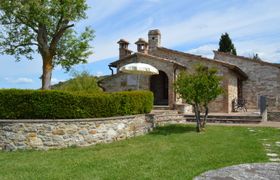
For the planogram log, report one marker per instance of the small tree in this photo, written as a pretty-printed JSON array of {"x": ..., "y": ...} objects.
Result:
[
  {"x": 199, "y": 89},
  {"x": 45, "y": 27},
  {"x": 226, "y": 45}
]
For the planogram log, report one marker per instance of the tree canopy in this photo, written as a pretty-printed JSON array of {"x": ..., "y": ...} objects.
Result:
[
  {"x": 199, "y": 89},
  {"x": 226, "y": 45},
  {"x": 45, "y": 27}
]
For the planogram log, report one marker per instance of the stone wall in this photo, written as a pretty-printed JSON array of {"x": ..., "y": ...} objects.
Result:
[
  {"x": 232, "y": 90},
  {"x": 55, "y": 134},
  {"x": 126, "y": 82},
  {"x": 221, "y": 103},
  {"x": 120, "y": 81},
  {"x": 264, "y": 80},
  {"x": 274, "y": 116}
]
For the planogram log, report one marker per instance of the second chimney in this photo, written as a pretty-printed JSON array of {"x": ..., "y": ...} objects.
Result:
[{"x": 142, "y": 45}]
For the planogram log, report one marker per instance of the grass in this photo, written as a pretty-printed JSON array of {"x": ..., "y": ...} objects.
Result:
[{"x": 170, "y": 152}]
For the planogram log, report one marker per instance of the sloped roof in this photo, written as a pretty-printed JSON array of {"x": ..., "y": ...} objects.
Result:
[
  {"x": 138, "y": 54},
  {"x": 247, "y": 59},
  {"x": 196, "y": 57},
  {"x": 141, "y": 41},
  {"x": 123, "y": 41},
  {"x": 230, "y": 66}
]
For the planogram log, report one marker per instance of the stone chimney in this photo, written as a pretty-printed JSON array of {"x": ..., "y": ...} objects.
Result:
[
  {"x": 124, "y": 51},
  {"x": 142, "y": 45},
  {"x": 154, "y": 39}
]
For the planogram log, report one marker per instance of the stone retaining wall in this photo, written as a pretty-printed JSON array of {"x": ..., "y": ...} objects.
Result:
[
  {"x": 163, "y": 119},
  {"x": 55, "y": 134},
  {"x": 274, "y": 116}
]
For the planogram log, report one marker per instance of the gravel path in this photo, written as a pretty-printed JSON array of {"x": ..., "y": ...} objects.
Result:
[{"x": 256, "y": 171}]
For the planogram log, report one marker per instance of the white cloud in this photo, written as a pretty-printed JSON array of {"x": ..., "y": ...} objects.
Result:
[
  {"x": 204, "y": 50},
  {"x": 20, "y": 80},
  {"x": 99, "y": 73},
  {"x": 100, "y": 10},
  {"x": 55, "y": 80},
  {"x": 252, "y": 25},
  {"x": 106, "y": 46},
  {"x": 209, "y": 25},
  {"x": 244, "y": 24},
  {"x": 267, "y": 51}
]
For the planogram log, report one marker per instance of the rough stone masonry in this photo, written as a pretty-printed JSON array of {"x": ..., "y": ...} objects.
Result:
[{"x": 55, "y": 134}]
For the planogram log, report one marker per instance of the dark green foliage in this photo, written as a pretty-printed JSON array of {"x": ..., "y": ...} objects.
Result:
[
  {"x": 34, "y": 104},
  {"x": 226, "y": 45}
]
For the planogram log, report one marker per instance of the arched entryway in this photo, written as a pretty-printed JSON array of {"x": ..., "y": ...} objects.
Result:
[{"x": 159, "y": 86}]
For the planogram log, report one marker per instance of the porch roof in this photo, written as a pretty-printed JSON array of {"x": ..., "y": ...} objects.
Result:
[{"x": 138, "y": 55}]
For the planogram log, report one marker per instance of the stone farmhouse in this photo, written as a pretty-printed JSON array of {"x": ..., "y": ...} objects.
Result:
[{"x": 243, "y": 78}]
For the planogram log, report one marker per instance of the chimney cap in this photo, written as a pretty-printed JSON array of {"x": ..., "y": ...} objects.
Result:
[
  {"x": 155, "y": 32},
  {"x": 141, "y": 41},
  {"x": 123, "y": 41}
]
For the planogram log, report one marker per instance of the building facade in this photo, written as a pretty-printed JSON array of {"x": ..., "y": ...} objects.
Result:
[{"x": 242, "y": 77}]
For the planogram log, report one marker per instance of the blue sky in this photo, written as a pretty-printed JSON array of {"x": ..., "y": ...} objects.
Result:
[{"x": 193, "y": 26}]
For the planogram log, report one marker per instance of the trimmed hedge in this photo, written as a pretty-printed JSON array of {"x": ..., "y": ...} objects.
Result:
[{"x": 36, "y": 104}]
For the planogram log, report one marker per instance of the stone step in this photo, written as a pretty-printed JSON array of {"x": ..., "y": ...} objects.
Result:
[
  {"x": 164, "y": 112},
  {"x": 215, "y": 120},
  {"x": 246, "y": 117},
  {"x": 228, "y": 118},
  {"x": 159, "y": 107},
  {"x": 211, "y": 119}
]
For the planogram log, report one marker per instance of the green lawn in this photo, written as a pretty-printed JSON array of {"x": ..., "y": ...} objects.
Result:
[{"x": 171, "y": 152}]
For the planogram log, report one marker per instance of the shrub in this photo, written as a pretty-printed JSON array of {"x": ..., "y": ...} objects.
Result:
[
  {"x": 81, "y": 82},
  {"x": 36, "y": 104}
]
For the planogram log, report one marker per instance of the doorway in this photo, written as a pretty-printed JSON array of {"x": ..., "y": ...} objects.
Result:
[{"x": 159, "y": 86}]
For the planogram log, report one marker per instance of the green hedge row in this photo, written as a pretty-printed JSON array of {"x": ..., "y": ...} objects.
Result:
[{"x": 36, "y": 104}]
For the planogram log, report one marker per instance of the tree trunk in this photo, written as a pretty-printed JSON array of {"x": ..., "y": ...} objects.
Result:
[
  {"x": 197, "y": 117},
  {"x": 47, "y": 72},
  {"x": 205, "y": 117}
]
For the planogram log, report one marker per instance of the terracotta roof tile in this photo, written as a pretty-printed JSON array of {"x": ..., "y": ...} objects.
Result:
[
  {"x": 123, "y": 41},
  {"x": 138, "y": 54},
  {"x": 140, "y": 41}
]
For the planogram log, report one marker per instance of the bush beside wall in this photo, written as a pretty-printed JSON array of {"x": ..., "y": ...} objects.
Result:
[{"x": 35, "y": 104}]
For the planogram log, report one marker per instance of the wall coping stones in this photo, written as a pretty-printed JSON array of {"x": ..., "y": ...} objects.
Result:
[{"x": 130, "y": 117}]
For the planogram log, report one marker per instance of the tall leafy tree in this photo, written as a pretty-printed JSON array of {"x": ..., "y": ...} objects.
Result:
[
  {"x": 45, "y": 27},
  {"x": 199, "y": 89},
  {"x": 226, "y": 45}
]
